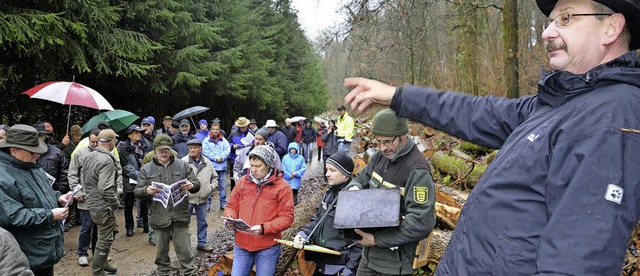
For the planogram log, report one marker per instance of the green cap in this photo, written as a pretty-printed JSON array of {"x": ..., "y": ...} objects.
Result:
[
  {"x": 387, "y": 123},
  {"x": 162, "y": 141}
]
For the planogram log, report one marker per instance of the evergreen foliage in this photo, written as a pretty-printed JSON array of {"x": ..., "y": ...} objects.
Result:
[{"x": 156, "y": 57}]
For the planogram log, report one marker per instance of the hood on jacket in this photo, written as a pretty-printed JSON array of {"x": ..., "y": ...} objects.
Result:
[
  {"x": 556, "y": 87},
  {"x": 293, "y": 145}
]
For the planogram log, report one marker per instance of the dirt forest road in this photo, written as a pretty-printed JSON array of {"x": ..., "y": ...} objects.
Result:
[{"x": 135, "y": 256}]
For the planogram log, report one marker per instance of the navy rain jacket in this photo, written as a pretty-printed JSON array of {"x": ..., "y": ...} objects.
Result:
[{"x": 562, "y": 195}]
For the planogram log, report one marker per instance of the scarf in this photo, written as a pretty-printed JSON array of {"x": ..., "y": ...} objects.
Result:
[{"x": 264, "y": 180}]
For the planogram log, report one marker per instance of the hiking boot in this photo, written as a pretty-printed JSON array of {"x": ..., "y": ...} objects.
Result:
[
  {"x": 129, "y": 232},
  {"x": 205, "y": 248},
  {"x": 83, "y": 261}
]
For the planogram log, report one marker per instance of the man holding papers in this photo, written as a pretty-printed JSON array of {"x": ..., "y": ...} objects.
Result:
[{"x": 170, "y": 222}]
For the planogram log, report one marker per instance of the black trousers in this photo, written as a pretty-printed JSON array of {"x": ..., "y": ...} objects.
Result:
[{"x": 129, "y": 202}]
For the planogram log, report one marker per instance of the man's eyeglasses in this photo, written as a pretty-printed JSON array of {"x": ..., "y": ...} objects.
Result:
[
  {"x": 386, "y": 142},
  {"x": 563, "y": 19}
]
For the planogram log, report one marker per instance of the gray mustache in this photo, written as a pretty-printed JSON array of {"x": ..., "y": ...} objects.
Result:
[{"x": 555, "y": 45}]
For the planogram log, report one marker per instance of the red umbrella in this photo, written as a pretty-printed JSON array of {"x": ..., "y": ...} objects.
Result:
[{"x": 69, "y": 93}]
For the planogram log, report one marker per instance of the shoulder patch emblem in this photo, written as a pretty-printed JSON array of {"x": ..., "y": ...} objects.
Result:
[{"x": 421, "y": 195}]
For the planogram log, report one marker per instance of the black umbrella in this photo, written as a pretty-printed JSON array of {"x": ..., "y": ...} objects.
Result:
[{"x": 189, "y": 112}]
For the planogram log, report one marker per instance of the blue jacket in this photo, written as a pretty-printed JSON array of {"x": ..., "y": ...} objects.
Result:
[
  {"x": 180, "y": 144},
  {"x": 214, "y": 149},
  {"x": 293, "y": 162},
  {"x": 562, "y": 195},
  {"x": 280, "y": 142},
  {"x": 235, "y": 138},
  {"x": 201, "y": 135},
  {"x": 308, "y": 135}
]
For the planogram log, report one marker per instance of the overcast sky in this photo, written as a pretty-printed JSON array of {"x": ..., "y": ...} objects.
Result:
[{"x": 315, "y": 15}]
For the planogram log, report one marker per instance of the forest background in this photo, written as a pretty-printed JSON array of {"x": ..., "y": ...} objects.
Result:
[{"x": 251, "y": 58}]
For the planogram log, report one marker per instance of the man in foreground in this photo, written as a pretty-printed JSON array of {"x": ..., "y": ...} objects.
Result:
[
  {"x": 170, "y": 222},
  {"x": 29, "y": 206},
  {"x": 562, "y": 192}
]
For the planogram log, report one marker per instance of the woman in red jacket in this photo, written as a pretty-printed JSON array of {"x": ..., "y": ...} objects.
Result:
[
  {"x": 321, "y": 129},
  {"x": 263, "y": 199}
]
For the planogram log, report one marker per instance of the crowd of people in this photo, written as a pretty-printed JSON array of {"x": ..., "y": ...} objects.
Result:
[{"x": 107, "y": 170}]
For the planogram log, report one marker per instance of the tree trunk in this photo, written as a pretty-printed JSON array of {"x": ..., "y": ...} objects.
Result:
[{"x": 510, "y": 29}]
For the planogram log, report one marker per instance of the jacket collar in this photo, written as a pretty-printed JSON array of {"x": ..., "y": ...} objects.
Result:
[
  {"x": 202, "y": 162},
  {"x": 557, "y": 87}
]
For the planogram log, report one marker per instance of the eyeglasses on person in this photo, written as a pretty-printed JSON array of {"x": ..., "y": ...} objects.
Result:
[
  {"x": 386, "y": 142},
  {"x": 563, "y": 19}
]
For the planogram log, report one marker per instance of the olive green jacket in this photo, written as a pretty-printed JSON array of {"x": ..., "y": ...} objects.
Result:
[
  {"x": 154, "y": 171},
  {"x": 100, "y": 176}
]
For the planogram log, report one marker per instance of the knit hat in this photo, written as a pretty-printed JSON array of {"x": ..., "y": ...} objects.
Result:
[
  {"x": 342, "y": 162},
  {"x": 387, "y": 123},
  {"x": 162, "y": 141},
  {"x": 203, "y": 121},
  {"x": 175, "y": 124},
  {"x": 264, "y": 153},
  {"x": 263, "y": 132}
]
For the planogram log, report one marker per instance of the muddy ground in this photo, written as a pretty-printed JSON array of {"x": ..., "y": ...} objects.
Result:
[{"x": 134, "y": 255}]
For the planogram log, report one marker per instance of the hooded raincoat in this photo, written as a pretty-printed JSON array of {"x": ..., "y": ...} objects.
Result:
[{"x": 293, "y": 162}]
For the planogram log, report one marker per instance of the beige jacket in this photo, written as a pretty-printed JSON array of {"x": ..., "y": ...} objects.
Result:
[{"x": 207, "y": 176}]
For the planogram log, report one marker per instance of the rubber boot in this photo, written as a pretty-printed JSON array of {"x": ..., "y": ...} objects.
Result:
[
  {"x": 99, "y": 259},
  {"x": 108, "y": 267}
]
